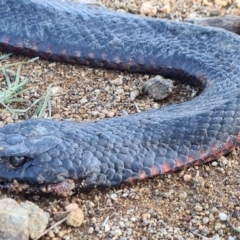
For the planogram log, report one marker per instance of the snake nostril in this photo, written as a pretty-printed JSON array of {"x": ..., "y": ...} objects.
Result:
[{"x": 17, "y": 161}]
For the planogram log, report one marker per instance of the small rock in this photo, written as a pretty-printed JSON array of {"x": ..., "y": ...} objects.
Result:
[
  {"x": 182, "y": 195},
  {"x": 198, "y": 208},
  {"x": 71, "y": 207},
  {"x": 214, "y": 164},
  {"x": 53, "y": 64},
  {"x": 84, "y": 100},
  {"x": 217, "y": 226},
  {"x": 56, "y": 90},
  {"x": 181, "y": 238},
  {"x": 133, "y": 95},
  {"x": 90, "y": 230},
  {"x": 61, "y": 234},
  {"x": 235, "y": 214},
  {"x": 158, "y": 88},
  {"x": 223, "y": 216},
  {"x": 214, "y": 210},
  {"x": 95, "y": 113},
  {"x": 146, "y": 216},
  {"x": 148, "y": 9},
  {"x": 211, "y": 217},
  {"x": 214, "y": 12},
  {"x": 187, "y": 177},
  {"x": 111, "y": 114},
  {"x": 205, "y": 220},
  {"x": 207, "y": 3},
  {"x": 117, "y": 232},
  {"x": 51, "y": 234},
  {"x": 118, "y": 81},
  {"x": 133, "y": 219},
  {"x": 221, "y": 3},
  {"x": 237, "y": 3},
  {"x": 166, "y": 9},
  {"x": 38, "y": 219},
  {"x": 224, "y": 161},
  {"x": 75, "y": 218},
  {"x": 14, "y": 220},
  {"x": 121, "y": 224},
  {"x": 113, "y": 196},
  {"x": 8, "y": 120}
]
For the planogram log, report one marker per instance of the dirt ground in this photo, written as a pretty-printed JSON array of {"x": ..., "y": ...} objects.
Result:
[{"x": 184, "y": 205}]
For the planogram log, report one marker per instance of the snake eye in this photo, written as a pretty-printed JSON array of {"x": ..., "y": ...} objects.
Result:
[{"x": 17, "y": 161}]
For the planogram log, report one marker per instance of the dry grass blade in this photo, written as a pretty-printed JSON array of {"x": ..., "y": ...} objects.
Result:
[{"x": 15, "y": 90}]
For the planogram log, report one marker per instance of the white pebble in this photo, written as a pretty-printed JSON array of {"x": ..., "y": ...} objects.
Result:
[
  {"x": 223, "y": 216},
  {"x": 90, "y": 230},
  {"x": 214, "y": 164},
  {"x": 114, "y": 196},
  {"x": 205, "y": 220}
]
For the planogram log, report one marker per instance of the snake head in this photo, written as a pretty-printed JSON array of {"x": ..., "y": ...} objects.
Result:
[
  {"x": 26, "y": 149},
  {"x": 47, "y": 152}
]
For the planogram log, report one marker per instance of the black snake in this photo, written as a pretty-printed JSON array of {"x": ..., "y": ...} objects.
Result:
[{"x": 122, "y": 149}]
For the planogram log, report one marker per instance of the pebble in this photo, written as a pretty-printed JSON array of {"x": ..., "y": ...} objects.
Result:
[
  {"x": 14, "y": 220},
  {"x": 75, "y": 218},
  {"x": 111, "y": 114},
  {"x": 51, "y": 234},
  {"x": 198, "y": 208},
  {"x": 235, "y": 214},
  {"x": 90, "y": 230},
  {"x": 224, "y": 161},
  {"x": 84, "y": 100},
  {"x": 57, "y": 90},
  {"x": 71, "y": 207},
  {"x": 205, "y": 220},
  {"x": 214, "y": 210},
  {"x": 146, "y": 215},
  {"x": 117, "y": 232},
  {"x": 133, "y": 95},
  {"x": 211, "y": 217},
  {"x": 187, "y": 177},
  {"x": 223, "y": 216},
  {"x": 61, "y": 234},
  {"x": 122, "y": 238},
  {"x": 221, "y": 3},
  {"x": 214, "y": 164},
  {"x": 181, "y": 238},
  {"x": 121, "y": 224},
  {"x": 166, "y": 9},
  {"x": 133, "y": 219},
  {"x": 217, "y": 226},
  {"x": 158, "y": 87},
  {"x": 22, "y": 220},
  {"x": 114, "y": 196},
  {"x": 237, "y": 3},
  {"x": 148, "y": 9},
  {"x": 38, "y": 219},
  {"x": 182, "y": 195}
]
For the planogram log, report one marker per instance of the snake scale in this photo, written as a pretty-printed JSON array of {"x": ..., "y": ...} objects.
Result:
[{"x": 122, "y": 149}]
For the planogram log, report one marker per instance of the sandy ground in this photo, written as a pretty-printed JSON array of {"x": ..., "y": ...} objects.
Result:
[{"x": 184, "y": 205}]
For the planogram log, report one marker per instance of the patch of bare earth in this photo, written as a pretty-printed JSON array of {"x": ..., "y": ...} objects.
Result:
[{"x": 183, "y": 205}]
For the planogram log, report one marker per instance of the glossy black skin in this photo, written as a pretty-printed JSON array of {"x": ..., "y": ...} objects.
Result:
[{"x": 112, "y": 151}]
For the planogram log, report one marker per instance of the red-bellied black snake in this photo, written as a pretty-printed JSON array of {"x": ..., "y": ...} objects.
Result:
[{"x": 122, "y": 149}]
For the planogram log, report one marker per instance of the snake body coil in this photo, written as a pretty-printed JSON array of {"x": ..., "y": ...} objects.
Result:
[{"x": 108, "y": 152}]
